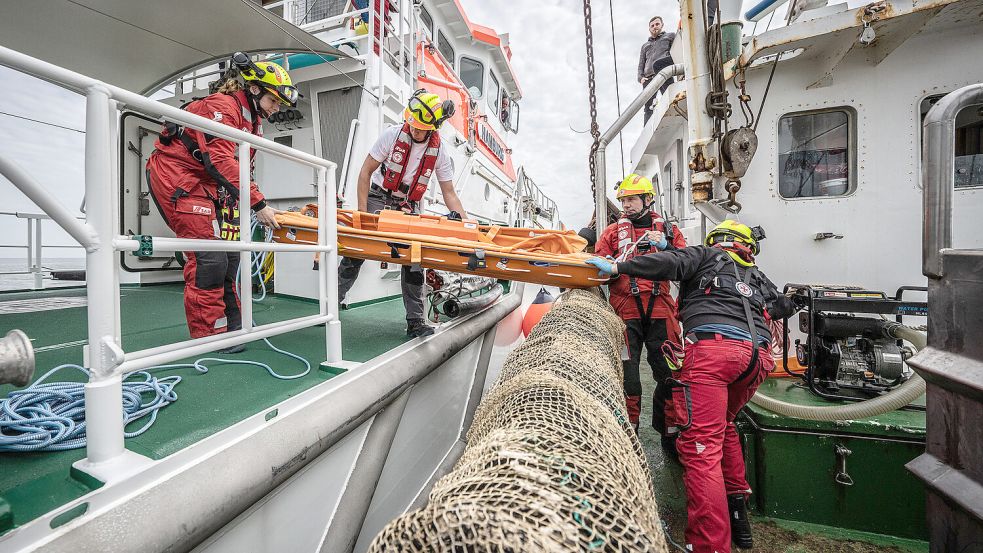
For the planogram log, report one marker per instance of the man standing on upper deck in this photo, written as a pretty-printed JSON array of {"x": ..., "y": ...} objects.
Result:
[
  {"x": 653, "y": 57},
  {"x": 395, "y": 175}
]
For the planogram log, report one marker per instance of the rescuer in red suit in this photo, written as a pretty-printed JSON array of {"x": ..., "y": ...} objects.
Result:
[
  {"x": 726, "y": 304},
  {"x": 647, "y": 308},
  {"x": 194, "y": 179}
]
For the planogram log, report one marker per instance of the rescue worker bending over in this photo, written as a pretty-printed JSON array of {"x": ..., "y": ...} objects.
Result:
[
  {"x": 647, "y": 308},
  {"x": 726, "y": 303},
  {"x": 194, "y": 179},
  {"x": 395, "y": 175}
]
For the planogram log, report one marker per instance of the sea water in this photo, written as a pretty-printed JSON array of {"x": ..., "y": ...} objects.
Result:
[{"x": 25, "y": 281}]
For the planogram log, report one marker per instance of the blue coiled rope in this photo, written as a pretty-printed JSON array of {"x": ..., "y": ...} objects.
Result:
[{"x": 51, "y": 417}]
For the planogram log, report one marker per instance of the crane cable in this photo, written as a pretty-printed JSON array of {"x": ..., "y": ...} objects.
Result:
[{"x": 617, "y": 85}]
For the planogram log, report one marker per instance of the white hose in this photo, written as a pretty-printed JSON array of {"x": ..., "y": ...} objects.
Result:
[{"x": 893, "y": 400}]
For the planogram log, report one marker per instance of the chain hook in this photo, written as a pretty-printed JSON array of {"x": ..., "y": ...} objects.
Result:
[{"x": 733, "y": 187}]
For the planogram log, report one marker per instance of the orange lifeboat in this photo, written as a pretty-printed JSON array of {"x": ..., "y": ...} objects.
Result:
[{"x": 541, "y": 256}]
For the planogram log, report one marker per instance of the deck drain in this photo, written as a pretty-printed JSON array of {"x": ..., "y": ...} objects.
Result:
[
  {"x": 69, "y": 515},
  {"x": 40, "y": 304}
]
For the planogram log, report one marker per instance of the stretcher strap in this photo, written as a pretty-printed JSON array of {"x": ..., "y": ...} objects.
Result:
[
  {"x": 357, "y": 219},
  {"x": 416, "y": 252}
]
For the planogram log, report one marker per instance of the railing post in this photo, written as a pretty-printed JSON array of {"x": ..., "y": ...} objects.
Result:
[
  {"x": 37, "y": 268},
  {"x": 30, "y": 244},
  {"x": 104, "y": 391},
  {"x": 245, "y": 237},
  {"x": 328, "y": 261}
]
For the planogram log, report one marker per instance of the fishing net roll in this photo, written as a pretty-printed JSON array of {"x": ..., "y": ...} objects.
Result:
[{"x": 552, "y": 463}]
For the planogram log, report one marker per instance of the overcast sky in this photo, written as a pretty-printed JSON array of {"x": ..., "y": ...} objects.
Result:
[
  {"x": 550, "y": 60},
  {"x": 547, "y": 41}
]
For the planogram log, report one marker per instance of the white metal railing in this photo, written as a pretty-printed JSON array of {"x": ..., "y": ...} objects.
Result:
[
  {"x": 105, "y": 358},
  {"x": 34, "y": 247}
]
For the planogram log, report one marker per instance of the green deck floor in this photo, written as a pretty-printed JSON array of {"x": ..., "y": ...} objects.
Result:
[{"x": 36, "y": 483}]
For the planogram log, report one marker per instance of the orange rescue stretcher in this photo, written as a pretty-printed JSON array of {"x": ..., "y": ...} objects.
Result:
[{"x": 540, "y": 256}]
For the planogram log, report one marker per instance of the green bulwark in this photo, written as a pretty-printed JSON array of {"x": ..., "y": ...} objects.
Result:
[
  {"x": 793, "y": 466},
  {"x": 32, "y": 484}
]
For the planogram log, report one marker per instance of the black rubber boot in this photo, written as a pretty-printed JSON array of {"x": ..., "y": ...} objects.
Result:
[
  {"x": 418, "y": 328},
  {"x": 740, "y": 526},
  {"x": 669, "y": 447}
]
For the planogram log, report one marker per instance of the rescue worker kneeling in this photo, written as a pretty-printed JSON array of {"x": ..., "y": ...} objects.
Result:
[
  {"x": 648, "y": 309},
  {"x": 194, "y": 179},
  {"x": 725, "y": 303}
]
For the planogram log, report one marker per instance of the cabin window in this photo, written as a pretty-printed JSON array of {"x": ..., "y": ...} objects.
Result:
[
  {"x": 968, "y": 164},
  {"x": 472, "y": 74},
  {"x": 445, "y": 48},
  {"x": 493, "y": 91},
  {"x": 427, "y": 21},
  {"x": 815, "y": 154}
]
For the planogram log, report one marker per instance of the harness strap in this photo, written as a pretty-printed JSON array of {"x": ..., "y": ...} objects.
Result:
[
  {"x": 643, "y": 313},
  {"x": 752, "y": 327}
]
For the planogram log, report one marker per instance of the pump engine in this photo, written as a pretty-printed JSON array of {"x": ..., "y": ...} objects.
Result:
[{"x": 848, "y": 352}]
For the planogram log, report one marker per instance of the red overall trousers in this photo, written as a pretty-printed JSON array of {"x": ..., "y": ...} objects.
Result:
[
  {"x": 709, "y": 449},
  {"x": 186, "y": 190}
]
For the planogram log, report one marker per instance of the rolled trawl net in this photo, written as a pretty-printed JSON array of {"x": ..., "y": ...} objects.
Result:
[{"x": 552, "y": 463}]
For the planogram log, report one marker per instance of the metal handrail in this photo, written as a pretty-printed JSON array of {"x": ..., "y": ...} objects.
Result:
[
  {"x": 939, "y": 174},
  {"x": 34, "y": 247},
  {"x": 352, "y": 127},
  {"x": 600, "y": 189},
  {"x": 106, "y": 453}
]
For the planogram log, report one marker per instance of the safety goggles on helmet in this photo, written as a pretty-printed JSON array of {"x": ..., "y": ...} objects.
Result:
[
  {"x": 268, "y": 75},
  {"x": 427, "y": 115},
  {"x": 732, "y": 231},
  {"x": 286, "y": 94}
]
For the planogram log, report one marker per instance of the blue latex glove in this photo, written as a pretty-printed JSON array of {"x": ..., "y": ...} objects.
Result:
[{"x": 605, "y": 267}]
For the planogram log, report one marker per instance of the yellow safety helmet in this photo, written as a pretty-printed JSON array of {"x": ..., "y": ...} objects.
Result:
[
  {"x": 268, "y": 75},
  {"x": 732, "y": 231},
  {"x": 634, "y": 185},
  {"x": 425, "y": 110}
]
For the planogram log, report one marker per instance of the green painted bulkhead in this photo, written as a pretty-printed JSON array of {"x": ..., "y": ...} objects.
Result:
[{"x": 792, "y": 466}]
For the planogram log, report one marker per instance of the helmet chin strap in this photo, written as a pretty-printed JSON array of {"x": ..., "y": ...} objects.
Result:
[
  {"x": 645, "y": 210},
  {"x": 425, "y": 138}
]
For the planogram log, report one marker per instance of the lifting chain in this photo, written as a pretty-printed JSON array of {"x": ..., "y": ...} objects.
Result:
[{"x": 595, "y": 131}]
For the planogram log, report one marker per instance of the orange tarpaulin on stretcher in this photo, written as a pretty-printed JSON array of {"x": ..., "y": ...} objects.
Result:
[{"x": 540, "y": 256}]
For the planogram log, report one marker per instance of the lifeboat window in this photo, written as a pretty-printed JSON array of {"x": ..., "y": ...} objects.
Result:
[
  {"x": 472, "y": 74},
  {"x": 427, "y": 20},
  {"x": 445, "y": 48},
  {"x": 815, "y": 154},
  {"x": 968, "y": 164},
  {"x": 493, "y": 89}
]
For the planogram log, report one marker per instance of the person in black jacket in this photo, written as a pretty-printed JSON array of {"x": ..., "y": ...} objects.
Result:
[{"x": 725, "y": 303}]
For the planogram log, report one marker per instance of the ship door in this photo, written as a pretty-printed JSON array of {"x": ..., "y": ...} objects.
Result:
[{"x": 138, "y": 213}]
